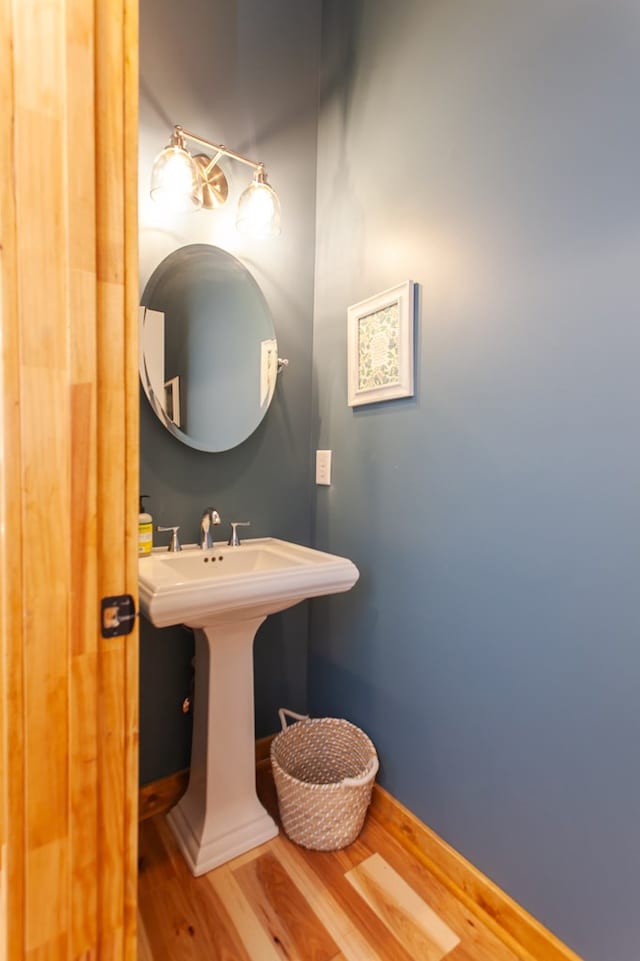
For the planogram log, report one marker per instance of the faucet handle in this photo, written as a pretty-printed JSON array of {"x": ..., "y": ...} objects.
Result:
[
  {"x": 174, "y": 543},
  {"x": 234, "y": 540}
]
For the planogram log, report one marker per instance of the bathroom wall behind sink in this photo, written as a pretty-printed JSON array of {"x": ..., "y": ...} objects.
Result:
[{"x": 244, "y": 74}]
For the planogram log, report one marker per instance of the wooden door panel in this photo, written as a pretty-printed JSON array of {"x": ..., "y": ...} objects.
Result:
[{"x": 68, "y": 478}]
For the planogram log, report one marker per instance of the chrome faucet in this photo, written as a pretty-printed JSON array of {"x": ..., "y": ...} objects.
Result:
[{"x": 208, "y": 521}]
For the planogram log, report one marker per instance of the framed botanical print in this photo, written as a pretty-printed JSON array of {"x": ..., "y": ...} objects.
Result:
[{"x": 380, "y": 346}]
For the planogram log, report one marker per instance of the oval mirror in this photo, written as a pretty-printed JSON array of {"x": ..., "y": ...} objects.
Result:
[{"x": 208, "y": 351}]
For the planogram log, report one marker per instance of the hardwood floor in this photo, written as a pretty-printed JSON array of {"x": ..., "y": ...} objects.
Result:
[{"x": 279, "y": 902}]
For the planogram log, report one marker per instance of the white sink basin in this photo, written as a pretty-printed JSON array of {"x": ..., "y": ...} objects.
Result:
[
  {"x": 259, "y": 577},
  {"x": 225, "y": 593}
]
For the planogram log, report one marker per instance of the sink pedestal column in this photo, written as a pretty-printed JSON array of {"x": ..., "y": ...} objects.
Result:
[{"x": 220, "y": 815}]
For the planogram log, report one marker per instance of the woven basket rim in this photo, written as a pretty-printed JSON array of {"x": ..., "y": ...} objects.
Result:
[
  {"x": 308, "y": 721},
  {"x": 327, "y": 786},
  {"x": 317, "y": 722}
]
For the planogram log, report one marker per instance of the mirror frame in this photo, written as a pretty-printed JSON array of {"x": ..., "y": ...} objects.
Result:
[{"x": 268, "y": 361}]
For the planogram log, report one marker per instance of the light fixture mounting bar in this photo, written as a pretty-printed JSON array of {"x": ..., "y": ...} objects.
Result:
[{"x": 220, "y": 148}]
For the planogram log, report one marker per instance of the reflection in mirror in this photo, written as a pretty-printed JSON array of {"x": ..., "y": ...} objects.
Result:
[{"x": 208, "y": 351}]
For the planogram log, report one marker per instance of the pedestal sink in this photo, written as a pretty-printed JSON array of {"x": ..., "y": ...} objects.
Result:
[{"x": 225, "y": 593}]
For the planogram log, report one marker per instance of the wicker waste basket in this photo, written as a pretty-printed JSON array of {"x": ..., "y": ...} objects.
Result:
[{"x": 324, "y": 769}]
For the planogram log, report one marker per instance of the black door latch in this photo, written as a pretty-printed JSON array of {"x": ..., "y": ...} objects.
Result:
[{"x": 118, "y": 615}]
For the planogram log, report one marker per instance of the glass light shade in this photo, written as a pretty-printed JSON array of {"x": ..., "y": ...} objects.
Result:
[
  {"x": 259, "y": 210},
  {"x": 175, "y": 180}
]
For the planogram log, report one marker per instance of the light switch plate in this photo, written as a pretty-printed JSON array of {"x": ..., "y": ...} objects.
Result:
[{"x": 323, "y": 467}]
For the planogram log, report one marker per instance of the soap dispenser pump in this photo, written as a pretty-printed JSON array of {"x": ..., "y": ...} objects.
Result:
[{"x": 145, "y": 529}]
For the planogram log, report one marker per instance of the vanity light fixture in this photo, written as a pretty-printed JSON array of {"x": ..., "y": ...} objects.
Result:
[{"x": 182, "y": 181}]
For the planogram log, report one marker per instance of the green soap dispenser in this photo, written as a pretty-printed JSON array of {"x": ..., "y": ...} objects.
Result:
[{"x": 145, "y": 529}]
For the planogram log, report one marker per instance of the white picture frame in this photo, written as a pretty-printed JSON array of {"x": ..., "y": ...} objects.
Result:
[{"x": 380, "y": 346}]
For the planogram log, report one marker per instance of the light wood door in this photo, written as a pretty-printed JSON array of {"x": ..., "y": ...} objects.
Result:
[{"x": 68, "y": 478}]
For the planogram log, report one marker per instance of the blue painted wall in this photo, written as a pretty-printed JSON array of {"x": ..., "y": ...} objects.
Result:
[
  {"x": 243, "y": 73},
  {"x": 491, "y": 152}
]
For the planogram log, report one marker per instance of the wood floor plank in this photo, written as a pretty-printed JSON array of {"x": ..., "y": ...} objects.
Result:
[
  {"x": 409, "y": 918},
  {"x": 464, "y": 952},
  {"x": 284, "y": 912},
  {"x": 329, "y": 868},
  {"x": 183, "y": 917},
  {"x": 159, "y": 858},
  {"x": 154, "y": 863},
  {"x": 256, "y": 940},
  {"x": 353, "y": 945},
  {"x": 189, "y": 924},
  {"x": 484, "y": 944},
  {"x": 144, "y": 948}
]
